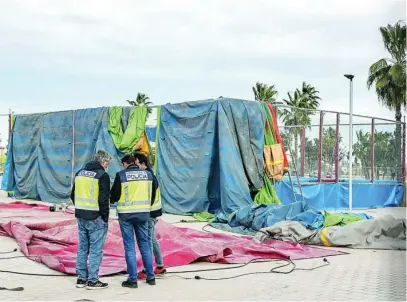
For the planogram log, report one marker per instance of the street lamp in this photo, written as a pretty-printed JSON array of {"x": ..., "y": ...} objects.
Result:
[{"x": 350, "y": 78}]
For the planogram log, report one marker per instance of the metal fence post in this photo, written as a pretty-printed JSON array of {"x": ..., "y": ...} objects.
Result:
[
  {"x": 10, "y": 122},
  {"x": 321, "y": 122},
  {"x": 337, "y": 148},
  {"x": 73, "y": 149},
  {"x": 303, "y": 152},
  {"x": 372, "y": 152}
]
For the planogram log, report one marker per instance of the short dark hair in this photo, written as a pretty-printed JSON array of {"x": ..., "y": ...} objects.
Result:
[
  {"x": 141, "y": 158},
  {"x": 128, "y": 159}
]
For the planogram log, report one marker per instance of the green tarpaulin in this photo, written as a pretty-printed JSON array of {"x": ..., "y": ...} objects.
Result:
[
  {"x": 267, "y": 194},
  {"x": 204, "y": 217},
  {"x": 340, "y": 219},
  {"x": 125, "y": 140}
]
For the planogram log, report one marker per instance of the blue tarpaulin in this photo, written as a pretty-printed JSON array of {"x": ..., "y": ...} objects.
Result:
[
  {"x": 336, "y": 195},
  {"x": 252, "y": 218},
  {"x": 40, "y": 165},
  {"x": 210, "y": 154},
  {"x": 150, "y": 131}
]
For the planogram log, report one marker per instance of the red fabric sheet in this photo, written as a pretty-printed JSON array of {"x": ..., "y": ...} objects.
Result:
[{"x": 53, "y": 236}]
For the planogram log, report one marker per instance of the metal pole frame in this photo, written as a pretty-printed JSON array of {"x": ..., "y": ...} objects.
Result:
[
  {"x": 303, "y": 152},
  {"x": 321, "y": 122},
  {"x": 337, "y": 148},
  {"x": 275, "y": 107},
  {"x": 10, "y": 124},
  {"x": 351, "y": 145},
  {"x": 372, "y": 159},
  {"x": 335, "y": 112},
  {"x": 334, "y": 125},
  {"x": 73, "y": 149}
]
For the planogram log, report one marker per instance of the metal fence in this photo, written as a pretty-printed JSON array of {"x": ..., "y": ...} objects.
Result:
[{"x": 319, "y": 142}]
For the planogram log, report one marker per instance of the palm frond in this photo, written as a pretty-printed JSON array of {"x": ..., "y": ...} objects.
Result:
[{"x": 262, "y": 92}]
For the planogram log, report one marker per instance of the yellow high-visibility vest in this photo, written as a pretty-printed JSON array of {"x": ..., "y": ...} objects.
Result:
[
  {"x": 87, "y": 191},
  {"x": 136, "y": 190},
  {"x": 157, "y": 201}
]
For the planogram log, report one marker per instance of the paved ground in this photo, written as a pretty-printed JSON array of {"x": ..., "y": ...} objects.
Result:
[{"x": 361, "y": 275}]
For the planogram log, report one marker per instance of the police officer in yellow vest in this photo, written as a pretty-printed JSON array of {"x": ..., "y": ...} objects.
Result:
[
  {"x": 134, "y": 191},
  {"x": 156, "y": 211},
  {"x": 90, "y": 194}
]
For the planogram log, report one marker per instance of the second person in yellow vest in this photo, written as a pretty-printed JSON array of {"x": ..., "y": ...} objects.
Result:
[
  {"x": 156, "y": 211},
  {"x": 134, "y": 191}
]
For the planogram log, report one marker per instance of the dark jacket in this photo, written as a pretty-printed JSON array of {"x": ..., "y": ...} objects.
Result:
[
  {"x": 156, "y": 213},
  {"x": 117, "y": 191},
  {"x": 104, "y": 192}
]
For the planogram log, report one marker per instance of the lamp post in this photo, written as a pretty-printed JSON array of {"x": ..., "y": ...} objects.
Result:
[{"x": 350, "y": 78}]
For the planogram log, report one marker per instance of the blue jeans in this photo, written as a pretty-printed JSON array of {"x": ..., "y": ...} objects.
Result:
[
  {"x": 92, "y": 237},
  {"x": 154, "y": 245},
  {"x": 128, "y": 228}
]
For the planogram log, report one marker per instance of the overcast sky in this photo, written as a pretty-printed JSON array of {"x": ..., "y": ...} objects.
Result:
[{"x": 57, "y": 55}]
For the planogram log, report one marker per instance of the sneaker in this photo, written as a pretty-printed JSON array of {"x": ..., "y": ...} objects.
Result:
[
  {"x": 96, "y": 285},
  {"x": 160, "y": 270},
  {"x": 151, "y": 282},
  {"x": 142, "y": 275},
  {"x": 130, "y": 284},
  {"x": 80, "y": 283}
]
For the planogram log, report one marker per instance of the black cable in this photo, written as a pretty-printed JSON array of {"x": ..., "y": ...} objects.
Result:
[
  {"x": 272, "y": 271},
  {"x": 32, "y": 274},
  {"x": 9, "y": 252},
  {"x": 316, "y": 267},
  {"x": 29, "y": 257},
  {"x": 205, "y": 226},
  {"x": 255, "y": 260},
  {"x": 172, "y": 274},
  {"x": 29, "y": 274},
  {"x": 14, "y": 289}
]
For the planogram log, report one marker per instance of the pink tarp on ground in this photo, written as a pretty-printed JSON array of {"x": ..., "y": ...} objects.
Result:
[{"x": 53, "y": 236}]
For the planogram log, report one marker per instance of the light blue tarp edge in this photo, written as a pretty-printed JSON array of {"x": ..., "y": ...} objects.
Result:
[{"x": 334, "y": 196}]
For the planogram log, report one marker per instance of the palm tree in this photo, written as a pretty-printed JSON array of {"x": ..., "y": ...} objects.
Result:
[
  {"x": 310, "y": 93},
  {"x": 306, "y": 98},
  {"x": 361, "y": 152},
  {"x": 388, "y": 76},
  {"x": 263, "y": 92},
  {"x": 142, "y": 100}
]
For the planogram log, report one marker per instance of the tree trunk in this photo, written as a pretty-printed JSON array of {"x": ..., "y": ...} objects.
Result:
[
  {"x": 296, "y": 148},
  {"x": 398, "y": 142}
]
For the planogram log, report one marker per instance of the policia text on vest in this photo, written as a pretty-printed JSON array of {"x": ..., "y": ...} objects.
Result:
[
  {"x": 134, "y": 190},
  {"x": 91, "y": 191},
  {"x": 90, "y": 194}
]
